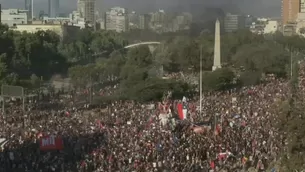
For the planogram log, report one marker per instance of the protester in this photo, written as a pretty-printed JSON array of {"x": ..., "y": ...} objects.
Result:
[{"x": 234, "y": 131}]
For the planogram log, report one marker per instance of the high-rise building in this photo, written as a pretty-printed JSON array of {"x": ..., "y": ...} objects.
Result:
[
  {"x": 233, "y": 22},
  {"x": 29, "y": 6},
  {"x": 13, "y": 17},
  {"x": 302, "y": 6},
  {"x": 53, "y": 8},
  {"x": 100, "y": 8},
  {"x": 81, "y": 8},
  {"x": 290, "y": 10},
  {"x": 144, "y": 21},
  {"x": 181, "y": 22},
  {"x": 159, "y": 18},
  {"x": 117, "y": 19},
  {"x": 86, "y": 9},
  {"x": 133, "y": 18},
  {"x": 249, "y": 20}
]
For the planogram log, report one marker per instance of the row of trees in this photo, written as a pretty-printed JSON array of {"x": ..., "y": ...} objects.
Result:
[
  {"x": 35, "y": 56},
  {"x": 25, "y": 54},
  {"x": 100, "y": 56},
  {"x": 291, "y": 122},
  {"x": 246, "y": 57},
  {"x": 136, "y": 72}
]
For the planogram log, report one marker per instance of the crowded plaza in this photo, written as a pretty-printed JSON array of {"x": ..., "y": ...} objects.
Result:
[{"x": 233, "y": 131}]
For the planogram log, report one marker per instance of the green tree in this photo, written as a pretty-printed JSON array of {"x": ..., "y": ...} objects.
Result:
[
  {"x": 35, "y": 81},
  {"x": 154, "y": 89},
  {"x": 115, "y": 63},
  {"x": 248, "y": 78},
  {"x": 106, "y": 42},
  {"x": 139, "y": 61},
  {"x": 3, "y": 66},
  {"x": 220, "y": 79},
  {"x": 291, "y": 125},
  {"x": 82, "y": 75},
  {"x": 267, "y": 58}
]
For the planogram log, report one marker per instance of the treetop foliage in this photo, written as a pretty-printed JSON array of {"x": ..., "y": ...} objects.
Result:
[{"x": 100, "y": 56}]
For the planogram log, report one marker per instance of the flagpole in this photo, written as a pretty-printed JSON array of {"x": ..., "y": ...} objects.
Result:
[{"x": 200, "y": 81}]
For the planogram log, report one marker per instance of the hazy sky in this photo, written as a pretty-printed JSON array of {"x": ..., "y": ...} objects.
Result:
[{"x": 271, "y": 8}]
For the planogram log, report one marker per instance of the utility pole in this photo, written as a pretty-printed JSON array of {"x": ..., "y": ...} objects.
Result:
[
  {"x": 291, "y": 65},
  {"x": 94, "y": 25},
  {"x": 91, "y": 82},
  {"x": 90, "y": 92},
  {"x": 90, "y": 96},
  {"x": 200, "y": 81},
  {"x": 32, "y": 9},
  {"x": 94, "y": 17},
  {"x": 0, "y": 12}
]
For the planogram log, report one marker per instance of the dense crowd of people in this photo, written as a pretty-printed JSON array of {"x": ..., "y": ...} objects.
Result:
[{"x": 234, "y": 131}]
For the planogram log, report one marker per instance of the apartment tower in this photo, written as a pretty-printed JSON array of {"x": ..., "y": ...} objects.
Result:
[
  {"x": 86, "y": 8},
  {"x": 117, "y": 19},
  {"x": 53, "y": 8},
  {"x": 29, "y": 6},
  {"x": 290, "y": 10}
]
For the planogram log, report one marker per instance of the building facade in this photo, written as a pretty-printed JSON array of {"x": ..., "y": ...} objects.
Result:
[
  {"x": 33, "y": 28},
  {"x": 182, "y": 22},
  {"x": 117, "y": 19},
  {"x": 271, "y": 27},
  {"x": 133, "y": 18},
  {"x": 249, "y": 20},
  {"x": 144, "y": 21},
  {"x": 158, "y": 18},
  {"x": 290, "y": 10},
  {"x": 300, "y": 25},
  {"x": 64, "y": 31},
  {"x": 233, "y": 22},
  {"x": 13, "y": 17},
  {"x": 53, "y": 8},
  {"x": 302, "y": 6},
  {"x": 29, "y": 6},
  {"x": 86, "y": 9},
  {"x": 81, "y": 8},
  {"x": 56, "y": 20}
]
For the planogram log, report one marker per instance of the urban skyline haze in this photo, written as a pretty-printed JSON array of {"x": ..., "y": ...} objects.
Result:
[{"x": 269, "y": 8}]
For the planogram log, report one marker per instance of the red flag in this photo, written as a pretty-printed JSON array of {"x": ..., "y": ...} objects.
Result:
[
  {"x": 180, "y": 111},
  {"x": 212, "y": 165}
]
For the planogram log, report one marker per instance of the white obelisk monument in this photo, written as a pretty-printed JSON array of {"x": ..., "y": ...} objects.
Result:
[{"x": 217, "y": 59}]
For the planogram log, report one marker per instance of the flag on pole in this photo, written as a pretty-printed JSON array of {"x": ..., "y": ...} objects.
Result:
[{"x": 182, "y": 109}]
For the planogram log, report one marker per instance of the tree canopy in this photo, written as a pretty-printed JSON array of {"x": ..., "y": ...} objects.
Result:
[
  {"x": 100, "y": 56},
  {"x": 25, "y": 54}
]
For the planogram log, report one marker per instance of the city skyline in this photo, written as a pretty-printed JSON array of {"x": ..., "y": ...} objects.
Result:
[{"x": 269, "y": 8}]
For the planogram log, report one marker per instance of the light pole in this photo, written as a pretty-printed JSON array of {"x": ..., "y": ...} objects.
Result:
[
  {"x": 200, "y": 81},
  {"x": 291, "y": 65}
]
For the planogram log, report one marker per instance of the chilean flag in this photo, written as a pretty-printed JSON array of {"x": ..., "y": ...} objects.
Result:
[{"x": 182, "y": 109}]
